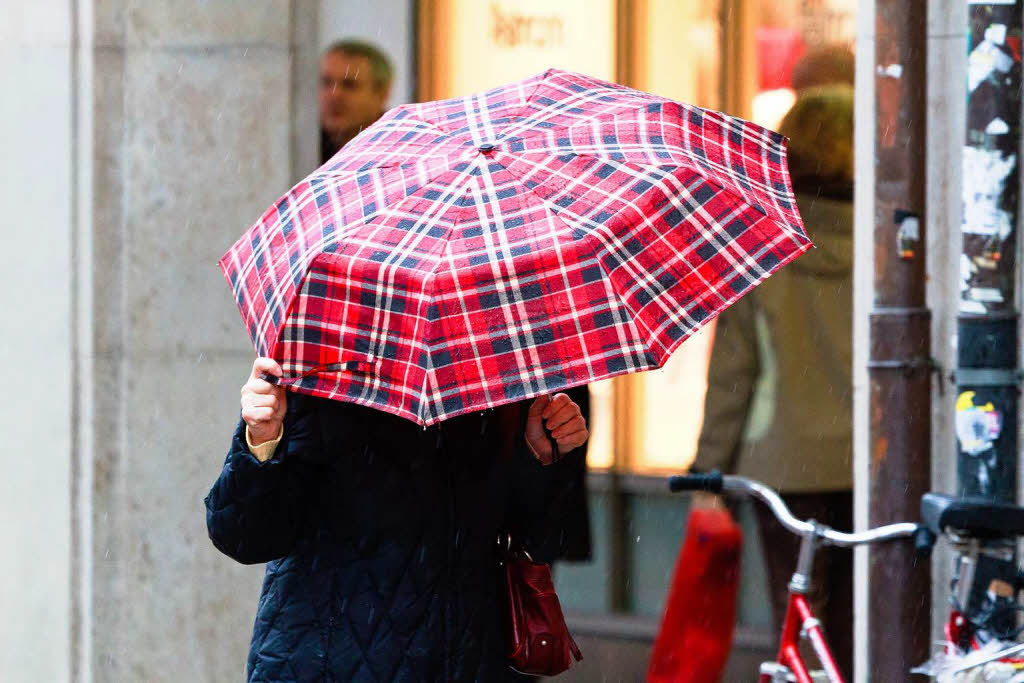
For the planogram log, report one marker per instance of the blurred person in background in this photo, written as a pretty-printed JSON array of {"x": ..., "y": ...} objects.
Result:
[
  {"x": 778, "y": 406},
  {"x": 825, "y": 65},
  {"x": 355, "y": 84}
]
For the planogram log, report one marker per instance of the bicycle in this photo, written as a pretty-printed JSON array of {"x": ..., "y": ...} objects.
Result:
[
  {"x": 800, "y": 623},
  {"x": 981, "y": 626},
  {"x": 981, "y": 629}
]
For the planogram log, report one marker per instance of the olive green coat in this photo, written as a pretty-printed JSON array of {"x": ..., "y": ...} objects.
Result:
[{"x": 778, "y": 406}]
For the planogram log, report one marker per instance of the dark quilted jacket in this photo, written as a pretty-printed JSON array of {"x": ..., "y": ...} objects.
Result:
[{"x": 379, "y": 538}]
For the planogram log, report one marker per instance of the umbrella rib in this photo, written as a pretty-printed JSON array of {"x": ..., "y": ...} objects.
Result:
[
  {"x": 645, "y": 278},
  {"x": 384, "y": 291},
  {"x": 744, "y": 258},
  {"x": 573, "y": 149},
  {"x": 801, "y": 238},
  {"x": 428, "y": 388},
  {"x": 511, "y": 303},
  {"x": 693, "y": 326},
  {"x": 393, "y": 125},
  {"x": 556, "y": 214},
  {"x": 314, "y": 247},
  {"x": 667, "y": 167},
  {"x": 446, "y": 259}
]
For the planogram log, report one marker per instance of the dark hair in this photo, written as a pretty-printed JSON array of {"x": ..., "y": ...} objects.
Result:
[
  {"x": 820, "y": 131},
  {"x": 381, "y": 69}
]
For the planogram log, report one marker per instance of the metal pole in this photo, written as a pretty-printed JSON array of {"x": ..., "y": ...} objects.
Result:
[
  {"x": 899, "y": 365},
  {"x": 987, "y": 377}
]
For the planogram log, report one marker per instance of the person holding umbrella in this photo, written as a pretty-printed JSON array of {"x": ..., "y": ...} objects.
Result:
[
  {"x": 394, "y": 524},
  {"x": 419, "y": 306}
]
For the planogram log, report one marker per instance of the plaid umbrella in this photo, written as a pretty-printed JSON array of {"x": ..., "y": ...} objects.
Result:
[{"x": 466, "y": 253}]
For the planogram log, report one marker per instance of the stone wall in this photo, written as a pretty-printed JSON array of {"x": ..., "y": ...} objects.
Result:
[
  {"x": 197, "y": 127},
  {"x": 142, "y": 139}
]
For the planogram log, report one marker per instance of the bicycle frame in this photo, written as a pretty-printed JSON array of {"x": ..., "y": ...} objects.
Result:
[
  {"x": 799, "y": 619},
  {"x": 800, "y": 622}
]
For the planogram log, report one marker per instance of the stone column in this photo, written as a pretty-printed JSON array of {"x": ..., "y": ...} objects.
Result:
[
  {"x": 35, "y": 290},
  {"x": 863, "y": 260},
  {"x": 947, "y": 55},
  {"x": 188, "y": 127}
]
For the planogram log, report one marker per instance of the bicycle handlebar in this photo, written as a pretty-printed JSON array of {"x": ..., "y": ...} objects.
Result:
[
  {"x": 711, "y": 482},
  {"x": 716, "y": 482}
]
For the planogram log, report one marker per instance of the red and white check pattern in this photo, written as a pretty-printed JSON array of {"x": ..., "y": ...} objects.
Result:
[{"x": 471, "y": 252}]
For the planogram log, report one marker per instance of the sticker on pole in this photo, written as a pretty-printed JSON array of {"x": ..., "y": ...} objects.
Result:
[{"x": 977, "y": 425}]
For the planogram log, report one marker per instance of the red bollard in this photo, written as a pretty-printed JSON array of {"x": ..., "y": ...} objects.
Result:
[{"x": 696, "y": 630}]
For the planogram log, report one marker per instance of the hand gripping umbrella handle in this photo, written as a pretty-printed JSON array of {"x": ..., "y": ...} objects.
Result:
[{"x": 555, "y": 455}]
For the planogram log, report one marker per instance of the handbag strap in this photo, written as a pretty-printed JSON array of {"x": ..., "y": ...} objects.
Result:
[
  {"x": 574, "y": 648},
  {"x": 507, "y": 548}
]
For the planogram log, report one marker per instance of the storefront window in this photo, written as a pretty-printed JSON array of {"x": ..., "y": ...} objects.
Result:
[
  {"x": 472, "y": 45},
  {"x": 679, "y": 57}
]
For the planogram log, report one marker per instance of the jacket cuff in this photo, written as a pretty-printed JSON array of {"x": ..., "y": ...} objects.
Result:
[{"x": 264, "y": 451}]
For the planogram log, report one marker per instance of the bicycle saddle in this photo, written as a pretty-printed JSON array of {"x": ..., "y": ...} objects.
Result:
[{"x": 972, "y": 516}]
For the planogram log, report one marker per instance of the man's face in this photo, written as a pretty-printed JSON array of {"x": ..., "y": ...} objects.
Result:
[{"x": 348, "y": 98}]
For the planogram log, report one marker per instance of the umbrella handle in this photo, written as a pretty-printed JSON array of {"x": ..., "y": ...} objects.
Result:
[{"x": 555, "y": 455}]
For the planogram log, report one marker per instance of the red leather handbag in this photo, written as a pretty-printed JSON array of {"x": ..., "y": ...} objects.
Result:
[{"x": 537, "y": 640}]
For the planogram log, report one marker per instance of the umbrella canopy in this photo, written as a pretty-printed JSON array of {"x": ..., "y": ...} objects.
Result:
[{"x": 466, "y": 253}]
